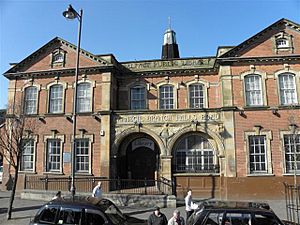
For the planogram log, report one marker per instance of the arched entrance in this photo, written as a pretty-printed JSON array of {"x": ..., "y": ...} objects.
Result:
[{"x": 138, "y": 158}]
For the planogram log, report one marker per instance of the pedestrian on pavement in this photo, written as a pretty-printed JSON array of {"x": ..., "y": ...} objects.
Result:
[
  {"x": 188, "y": 204},
  {"x": 157, "y": 218},
  {"x": 97, "y": 191},
  {"x": 176, "y": 219},
  {"x": 57, "y": 196}
]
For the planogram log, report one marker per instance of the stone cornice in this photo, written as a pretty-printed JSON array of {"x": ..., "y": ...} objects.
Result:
[
  {"x": 271, "y": 59},
  {"x": 61, "y": 72}
]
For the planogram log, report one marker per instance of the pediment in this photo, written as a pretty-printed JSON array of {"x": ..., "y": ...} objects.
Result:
[
  {"x": 267, "y": 43},
  {"x": 56, "y": 54}
]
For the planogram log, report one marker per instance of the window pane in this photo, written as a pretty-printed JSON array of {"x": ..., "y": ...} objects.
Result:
[
  {"x": 30, "y": 100},
  {"x": 82, "y": 155},
  {"x": 27, "y": 156},
  {"x": 56, "y": 99},
  {"x": 257, "y": 154},
  {"x": 84, "y": 98},
  {"x": 194, "y": 154},
  {"x": 292, "y": 157},
  {"x": 53, "y": 156},
  {"x": 166, "y": 100},
  {"x": 48, "y": 215},
  {"x": 287, "y": 86},
  {"x": 196, "y": 93},
  {"x": 138, "y": 97},
  {"x": 253, "y": 90}
]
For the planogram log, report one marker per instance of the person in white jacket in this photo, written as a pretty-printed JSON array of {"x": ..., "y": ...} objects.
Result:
[
  {"x": 176, "y": 219},
  {"x": 188, "y": 204},
  {"x": 97, "y": 191}
]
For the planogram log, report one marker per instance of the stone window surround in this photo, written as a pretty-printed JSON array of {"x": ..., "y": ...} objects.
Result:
[
  {"x": 48, "y": 87},
  {"x": 286, "y": 69},
  {"x": 175, "y": 87},
  {"x": 35, "y": 141},
  {"x": 56, "y": 52},
  {"x": 134, "y": 84},
  {"x": 84, "y": 135},
  {"x": 205, "y": 91},
  {"x": 263, "y": 76},
  {"x": 281, "y": 136},
  {"x": 54, "y": 135},
  {"x": 257, "y": 131},
  {"x": 288, "y": 38}
]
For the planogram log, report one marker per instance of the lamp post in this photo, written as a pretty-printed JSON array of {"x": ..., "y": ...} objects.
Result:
[
  {"x": 293, "y": 128},
  {"x": 71, "y": 14}
]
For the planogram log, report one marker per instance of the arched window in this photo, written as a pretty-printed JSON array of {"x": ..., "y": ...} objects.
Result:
[
  {"x": 84, "y": 97},
  {"x": 253, "y": 90},
  {"x": 58, "y": 58},
  {"x": 196, "y": 95},
  {"x": 138, "y": 97},
  {"x": 287, "y": 87},
  {"x": 166, "y": 97},
  {"x": 194, "y": 154},
  {"x": 30, "y": 106},
  {"x": 56, "y": 99}
]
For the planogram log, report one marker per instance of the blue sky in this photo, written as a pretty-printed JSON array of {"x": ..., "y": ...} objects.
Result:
[{"x": 133, "y": 29}]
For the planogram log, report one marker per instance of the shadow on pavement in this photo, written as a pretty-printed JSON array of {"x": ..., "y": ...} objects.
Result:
[{"x": 4, "y": 210}]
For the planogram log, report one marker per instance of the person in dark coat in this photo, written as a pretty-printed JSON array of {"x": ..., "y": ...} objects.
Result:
[{"x": 157, "y": 218}]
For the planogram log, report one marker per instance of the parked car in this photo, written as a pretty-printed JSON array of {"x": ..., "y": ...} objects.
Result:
[
  {"x": 83, "y": 210},
  {"x": 1, "y": 173},
  {"x": 233, "y": 213}
]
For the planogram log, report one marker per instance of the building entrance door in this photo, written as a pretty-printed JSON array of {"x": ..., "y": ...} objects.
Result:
[{"x": 142, "y": 162}]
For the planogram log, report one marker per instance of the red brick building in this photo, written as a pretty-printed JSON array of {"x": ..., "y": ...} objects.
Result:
[{"x": 221, "y": 125}]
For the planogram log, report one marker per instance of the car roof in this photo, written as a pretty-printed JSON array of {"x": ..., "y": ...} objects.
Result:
[
  {"x": 82, "y": 202},
  {"x": 236, "y": 205}
]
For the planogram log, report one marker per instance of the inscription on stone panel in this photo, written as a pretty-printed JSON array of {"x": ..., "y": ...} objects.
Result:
[{"x": 167, "y": 118}]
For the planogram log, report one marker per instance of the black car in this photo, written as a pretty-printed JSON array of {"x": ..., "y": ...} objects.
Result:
[
  {"x": 83, "y": 210},
  {"x": 233, "y": 213}
]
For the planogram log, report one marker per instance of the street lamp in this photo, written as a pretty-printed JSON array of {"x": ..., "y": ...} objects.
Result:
[
  {"x": 293, "y": 128},
  {"x": 71, "y": 13}
]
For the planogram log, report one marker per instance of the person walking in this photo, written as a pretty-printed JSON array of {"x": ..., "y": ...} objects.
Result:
[
  {"x": 57, "y": 196},
  {"x": 157, "y": 218},
  {"x": 188, "y": 204},
  {"x": 97, "y": 191},
  {"x": 176, "y": 219}
]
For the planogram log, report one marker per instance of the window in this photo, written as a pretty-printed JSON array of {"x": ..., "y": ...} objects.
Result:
[
  {"x": 31, "y": 100},
  {"x": 82, "y": 155},
  {"x": 287, "y": 86},
  {"x": 56, "y": 98},
  {"x": 213, "y": 219},
  {"x": 194, "y": 154},
  {"x": 234, "y": 218},
  {"x": 292, "y": 158},
  {"x": 137, "y": 97},
  {"x": 53, "y": 155},
  {"x": 257, "y": 154},
  {"x": 196, "y": 92},
  {"x": 253, "y": 90},
  {"x": 166, "y": 97},
  {"x": 94, "y": 219},
  {"x": 69, "y": 216},
  {"x": 58, "y": 58},
  {"x": 282, "y": 43},
  {"x": 27, "y": 157},
  {"x": 84, "y": 97},
  {"x": 48, "y": 216}
]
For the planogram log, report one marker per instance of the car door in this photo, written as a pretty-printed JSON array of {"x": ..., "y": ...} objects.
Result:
[{"x": 95, "y": 217}]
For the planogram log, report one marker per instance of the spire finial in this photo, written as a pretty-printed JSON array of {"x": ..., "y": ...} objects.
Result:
[{"x": 169, "y": 20}]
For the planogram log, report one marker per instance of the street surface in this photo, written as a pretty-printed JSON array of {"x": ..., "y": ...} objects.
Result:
[{"x": 24, "y": 210}]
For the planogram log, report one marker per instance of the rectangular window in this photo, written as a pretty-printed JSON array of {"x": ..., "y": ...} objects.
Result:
[
  {"x": 53, "y": 155},
  {"x": 166, "y": 96},
  {"x": 253, "y": 90},
  {"x": 196, "y": 96},
  {"x": 292, "y": 157},
  {"x": 27, "y": 157},
  {"x": 258, "y": 154},
  {"x": 84, "y": 97},
  {"x": 137, "y": 96},
  {"x": 31, "y": 100},
  {"x": 82, "y": 155},
  {"x": 56, "y": 99}
]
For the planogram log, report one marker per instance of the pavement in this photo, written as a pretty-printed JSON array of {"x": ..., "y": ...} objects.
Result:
[{"x": 24, "y": 210}]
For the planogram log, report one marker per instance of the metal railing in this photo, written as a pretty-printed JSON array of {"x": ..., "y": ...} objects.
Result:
[
  {"x": 292, "y": 198},
  {"x": 86, "y": 184}
]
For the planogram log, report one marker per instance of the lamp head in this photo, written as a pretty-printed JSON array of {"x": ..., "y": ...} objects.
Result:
[{"x": 70, "y": 13}]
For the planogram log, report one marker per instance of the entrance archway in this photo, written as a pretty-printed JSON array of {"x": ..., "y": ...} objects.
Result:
[{"x": 138, "y": 158}]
